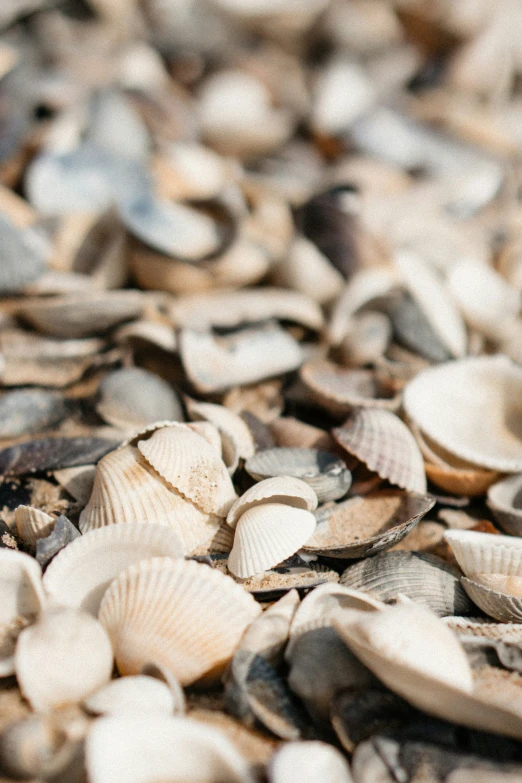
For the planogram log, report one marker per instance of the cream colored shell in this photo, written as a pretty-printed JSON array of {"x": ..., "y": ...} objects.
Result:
[
  {"x": 135, "y": 694},
  {"x": 280, "y": 489},
  {"x": 32, "y": 524},
  {"x": 486, "y": 553}
]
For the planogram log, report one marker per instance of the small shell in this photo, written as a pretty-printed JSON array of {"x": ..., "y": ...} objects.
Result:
[
  {"x": 268, "y": 634},
  {"x": 133, "y": 397},
  {"x": 138, "y": 694},
  {"x": 156, "y": 333},
  {"x": 504, "y": 501},
  {"x": 32, "y": 524},
  {"x": 486, "y": 553},
  {"x": 323, "y": 471},
  {"x": 47, "y": 655},
  {"x": 30, "y": 410},
  {"x": 307, "y": 270},
  {"x": 77, "y": 481},
  {"x": 366, "y": 338},
  {"x": 180, "y": 614},
  {"x": 24, "y": 253},
  {"x": 501, "y": 604},
  {"x": 413, "y": 331},
  {"x": 287, "y": 490},
  {"x": 34, "y": 747},
  {"x": 385, "y": 444},
  {"x": 266, "y": 535},
  {"x": 483, "y": 628},
  {"x": 190, "y": 465},
  {"x": 62, "y": 534},
  {"x": 237, "y": 440},
  {"x": 340, "y": 390},
  {"x": 365, "y": 286},
  {"x": 81, "y": 573},
  {"x": 308, "y": 762}
]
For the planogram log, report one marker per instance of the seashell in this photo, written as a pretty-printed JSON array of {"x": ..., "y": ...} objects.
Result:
[
  {"x": 47, "y": 655},
  {"x": 77, "y": 481},
  {"x": 485, "y": 389},
  {"x": 153, "y": 332},
  {"x": 339, "y": 390},
  {"x": 190, "y": 465},
  {"x": 163, "y": 675},
  {"x": 363, "y": 287},
  {"x": 25, "y": 411},
  {"x": 236, "y": 439},
  {"x": 144, "y": 749},
  {"x": 34, "y": 747},
  {"x": 385, "y": 444},
  {"x": 31, "y": 524},
  {"x": 24, "y": 253},
  {"x": 285, "y": 490},
  {"x": 133, "y": 397},
  {"x": 504, "y": 501},
  {"x": 210, "y": 433},
  {"x": 81, "y": 573},
  {"x": 185, "y": 616},
  {"x": 293, "y": 433},
  {"x": 266, "y": 535},
  {"x": 307, "y": 270},
  {"x": 498, "y": 596},
  {"x": 190, "y": 171},
  {"x": 81, "y": 316},
  {"x": 343, "y": 92},
  {"x": 138, "y": 694},
  {"x": 483, "y": 628},
  {"x": 61, "y": 535},
  {"x": 19, "y": 344},
  {"x": 308, "y": 762},
  {"x": 413, "y": 331},
  {"x": 366, "y": 338},
  {"x": 426, "y": 579},
  {"x": 249, "y": 356},
  {"x": 323, "y": 471},
  {"x": 268, "y": 634},
  {"x": 485, "y": 553},
  {"x": 220, "y": 543},
  {"x": 361, "y": 526},
  {"x": 51, "y": 453}
]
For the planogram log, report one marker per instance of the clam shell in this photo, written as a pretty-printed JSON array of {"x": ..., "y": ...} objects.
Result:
[
  {"x": 470, "y": 407},
  {"x": 287, "y": 490},
  {"x": 340, "y": 390},
  {"x": 424, "y": 578},
  {"x": 268, "y": 634},
  {"x": 30, "y": 410},
  {"x": 366, "y": 525},
  {"x": 32, "y": 524},
  {"x": 133, "y": 397},
  {"x": 190, "y": 464},
  {"x": 47, "y": 655},
  {"x": 504, "y": 501},
  {"x": 81, "y": 573},
  {"x": 486, "y": 553},
  {"x": 266, "y": 535},
  {"x": 308, "y": 762},
  {"x": 137, "y": 694},
  {"x": 385, "y": 444},
  {"x": 497, "y": 604},
  {"x": 323, "y": 471},
  {"x": 307, "y": 270},
  {"x": 237, "y": 440},
  {"x": 24, "y": 254},
  {"x": 180, "y": 614}
]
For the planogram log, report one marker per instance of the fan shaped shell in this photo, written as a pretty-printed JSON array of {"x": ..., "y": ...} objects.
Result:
[
  {"x": 499, "y": 605},
  {"x": 486, "y": 553},
  {"x": 32, "y": 524},
  {"x": 280, "y": 489}
]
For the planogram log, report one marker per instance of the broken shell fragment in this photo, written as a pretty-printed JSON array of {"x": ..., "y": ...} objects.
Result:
[
  {"x": 61, "y": 535},
  {"x": 498, "y": 596},
  {"x": 32, "y": 524},
  {"x": 340, "y": 390},
  {"x": 132, "y": 397},
  {"x": 236, "y": 439},
  {"x": 30, "y": 410},
  {"x": 485, "y": 553},
  {"x": 504, "y": 500},
  {"x": 287, "y": 490},
  {"x": 77, "y": 481},
  {"x": 307, "y": 270},
  {"x": 52, "y": 453},
  {"x": 136, "y": 694},
  {"x": 308, "y": 762}
]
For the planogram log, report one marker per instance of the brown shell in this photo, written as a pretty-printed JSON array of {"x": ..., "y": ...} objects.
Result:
[{"x": 340, "y": 389}]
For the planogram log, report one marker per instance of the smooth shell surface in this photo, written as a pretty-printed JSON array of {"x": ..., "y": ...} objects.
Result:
[
  {"x": 30, "y": 410},
  {"x": 133, "y": 397},
  {"x": 280, "y": 489},
  {"x": 485, "y": 553},
  {"x": 308, "y": 762},
  {"x": 504, "y": 499},
  {"x": 139, "y": 694}
]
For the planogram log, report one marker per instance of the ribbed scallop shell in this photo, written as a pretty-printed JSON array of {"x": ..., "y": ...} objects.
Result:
[
  {"x": 486, "y": 553},
  {"x": 127, "y": 490},
  {"x": 385, "y": 444},
  {"x": 80, "y": 574},
  {"x": 500, "y": 606},
  {"x": 504, "y": 499},
  {"x": 266, "y": 535},
  {"x": 32, "y": 524},
  {"x": 182, "y": 615},
  {"x": 280, "y": 489},
  {"x": 191, "y": 465},
  {"x": 471, "y": 407}
]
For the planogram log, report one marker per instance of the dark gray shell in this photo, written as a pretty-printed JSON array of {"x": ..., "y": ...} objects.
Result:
[
  {"x": 52, "y": 454},
  {"x": 412, "y": 330},
  {"x": 136, "y": 397},
  {"x": 62, "y": 534},
  {"x": 30, "y": 410}
]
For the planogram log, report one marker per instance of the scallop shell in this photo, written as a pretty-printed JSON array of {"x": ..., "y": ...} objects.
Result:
[
  {"x": 287, "y": 490},
  {"x": 499, "y": 604},
  {"x": 180, "y": 614},
  {"x": 486, "y": 553},
  {"x": 308, "y": 762},
  {"x": 426, "y": 579},
  {"x": 137, "y": 694},
  {"x": 32, "y": 524},
  {"x": 191, "y": 466},
  {"x": 81, "y": 573},
  {"x": 47, "y": 655},
  {"x": 385, "y": 444},
  {"x": 307, "y": 270},
  {"x": 127, "y": 490},
  {"x": 237, "y": 440},
  {"x": 504, "y": 501},
  {"x": 30, "y": 410},
  {"x": 470, "y": 407},
  {"x": 133, "y": 397},
  {"x": 323, "y": 471},
  {"x": 361, "y": 526},
  {"x": 339, "y": 389},
  {"x": 266, "y": 535}
]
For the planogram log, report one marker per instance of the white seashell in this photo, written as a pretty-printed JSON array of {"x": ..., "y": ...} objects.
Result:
[
  {"x": 190, "y": 465},
  {"x": 237, "y": 440},
  {"x": 471, "y": 408},
  {"x": 308, "y": 762},
  {"x": 343, "y": 92},
  {"x": 266, "y": 535},
  {"x": 182, "y": 615},
  {"x": 152, "y": 748},
  {"x": 162, "y": 674},
  {"x": 32, "y": 524},
  {"x": 190, "y": 171},
  {"x": 48, "y": 653},
  {"x": 287, "y": 490},
  {"x": 307, "y": 270},
  {"x": 138, "y": 694},
  {"x": 159, "y": 334},
  {"x": 367, "y": 336},
  {"x": 80, "y": 574},
  {"x": 365, "y": 286},
  {"x": 211, "y": 434},
  {"x": 496, "y": 600},
  {"x": 268, "y": 634},
  {"x": 132, "y": 397},
  {"x": 486, "y": 553},
  {"x": 77, "y": 481}
]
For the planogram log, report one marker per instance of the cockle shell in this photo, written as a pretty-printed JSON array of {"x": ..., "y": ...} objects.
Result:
[
  {"x": 486, "y": 553},
  {"x": 135, "y": 694},
  {"x": 47, "y": 655},
  {"x": 32, "y": 524},
  {"x": 81, "y": 573},
  {"x": 266, "y": 535},
  {"x": 385, "y": 444},
  {"x": 339, "y": 389},
  {"x": 504, "y": 499},
  {"x": 237, "y": 440},
  {"x": 180, "y": 614},
  {"x": 471, "y": 408},
  {"x": 287, "y": 490},
  {"x": 498, "y": 596},
  {"x": 308, "y": 762},
  {"x": 133, "y": 397}
]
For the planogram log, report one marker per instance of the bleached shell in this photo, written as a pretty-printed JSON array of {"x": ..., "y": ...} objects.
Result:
[
  {"x": 266, "y": 535},
  {"x": 496, "y": 604},
  {"x": 366, "y": 338},
  {"x": 190, "y": 171},
  {"x": 210, "y": 433},
  {"x": 155, "y": 332},
  {"x": 340, "y": 389},
  {"x": 47, "y": 655},
  {"x": 237, "y": 440},
  {"x": 344, "y": 91},
  {"x": 268, "y": 634},
  {"x": 307, "y": 270},
  {"x": 180, "y": 614},
  {"x": 308, "y": 762},
  {"x": 482, "y": 627},
  {"x": 365, "y": 286},
  {"x": 220, "y": 543},
  {"x": 138, "y": 694},
  {"x": 77, "y": 481},
  {"x": 287, "y": 490},
  {"x": 127, "y": 490},
  {"x": 150, "y": 748},
  {"x": 385, "y": 444},
  {"x": 81, "y": 573},
  {"x": 134, "y": 397},
  {"x": 486, "y": 553},
  {"x": 504, "y": 501},
  {"x": 191, "y": 465},
  {"x": 32, "y": 524},
  {"x": 162, "y": 674}
]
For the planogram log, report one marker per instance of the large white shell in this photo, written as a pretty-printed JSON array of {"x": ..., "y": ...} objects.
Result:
[
  {"x": 138, "y": 694},
  {"x": 80, "y": 574},
  {"x": 279, "y": 489},
  {"x": 48, "y": 656},
  {"x": 308, "y": 762},
  {"x": 472, "y": 407},
  {"x": 32, "y": 524},
  {"x": 486, "y": 553},
  {"x": 266, "y": 535},
  {"x": 182, "y": 615}
]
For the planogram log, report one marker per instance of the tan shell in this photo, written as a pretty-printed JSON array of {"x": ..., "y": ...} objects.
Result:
[
  {"x": 287, "y": 490},
  {"x": 366, "y": 338},
  {"x": 190, "y": 465},
  {"x": 385, "y": 444},
  {"x": 266, "y": 535},
  {"x": 307, "y": 270},
  {"x": 470, "y": 408},
  {"x": 293, "y": 433},
  {"x": 180, "y": 614},
  {"x": 77, "y": 481},
  {"x": 189, "y": 171},
  {"x": 340, "y": 389},
  {"x": 237, "y": 440},
  {"x": 80, "y": 574},
  {"x": 32, "y": 524},
  {"x": 155, "y": 332},
  {"x": 138, "y": 694},
  {"x": 268, "y": 634},
  {"x": 504, "y": 501},
  {"x": 486, "y": 553},
  {"x": 497, "y": 600},
  {"x": 131, "y": 397}
]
